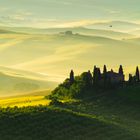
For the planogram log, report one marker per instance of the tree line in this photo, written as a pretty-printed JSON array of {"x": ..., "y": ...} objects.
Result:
[
  {"x": 97, "y": 77},
  {"x": 78, "y": 86}
]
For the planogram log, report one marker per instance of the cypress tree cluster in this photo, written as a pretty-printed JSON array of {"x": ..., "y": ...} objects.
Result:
[
  {"x": 105, "y": 78},
  {"x": 136, "y": 78}
]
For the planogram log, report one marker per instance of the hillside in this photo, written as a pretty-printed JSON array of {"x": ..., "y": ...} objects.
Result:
[
  {"x": 3, "y": 31},
  {"x": 74, "y": 111},
  {"x": 100, "y": 115},
  {"x": 52, "y": 53},
  {"x": 24, "y": 101},
  {"x": 12, "y": 85},
  {"x": 44, "y": 53},
  {"x": 80, "y": 30},
  {"x": 135, "y": 32},
  {"x": 123, "y": 26}
]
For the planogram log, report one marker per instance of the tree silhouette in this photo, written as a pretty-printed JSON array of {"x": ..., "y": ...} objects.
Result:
[
  {"x": 104, "y": 69},
  {"x": 130, "y": 79},
  {"x": 137, "y": 74},
  {"x": 121, "y": 70},
  {"x": 96, "y": 75},
  {"x": 87, "y": 78},
  {"x": 71, "y": 77},
  {"x": 105, "y": 76}
]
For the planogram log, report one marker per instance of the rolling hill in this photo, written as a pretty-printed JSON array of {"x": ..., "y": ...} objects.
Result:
[
  {"x": 3, "y": 31},
  {"x": 123, "y": 26},
  {"x": 79, "y": 30},
  {"x": 101, "y": 116},
  {"x": 57, "y": 53},
  {"x": 18, "y": 83}
]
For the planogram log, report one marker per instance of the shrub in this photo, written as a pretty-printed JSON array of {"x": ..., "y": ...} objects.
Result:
[{"x": 55, "y": 102}]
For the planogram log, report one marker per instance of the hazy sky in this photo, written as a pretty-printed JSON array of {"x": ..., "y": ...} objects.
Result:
[{"x": 61, "y": 12}]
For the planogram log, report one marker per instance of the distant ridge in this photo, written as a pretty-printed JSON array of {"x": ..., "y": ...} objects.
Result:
[
  {"x": 80, "y": 30},
  {"x": 13, "y": 83}
]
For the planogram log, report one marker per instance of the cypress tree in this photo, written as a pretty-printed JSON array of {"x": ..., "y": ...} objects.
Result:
[
  {"x": 104, "y": 69},
  {"x": 121, "y": 70},
  {"x": 98, "y": 74},
  {"x": 90, "y": 78},
  {"x": 94, "y": 74},
  {"x": 130, "y": 79},
  {"x": 137, "y": 74},
  {"x": 105, "y": 76},
  {"x": 71, "y": 77}
]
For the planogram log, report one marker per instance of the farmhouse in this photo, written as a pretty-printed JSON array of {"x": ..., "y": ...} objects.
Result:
[{"x": 115, "y": 77}]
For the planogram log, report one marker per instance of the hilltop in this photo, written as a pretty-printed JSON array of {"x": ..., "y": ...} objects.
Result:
[
  {"x": 17, "y": 82},
  {"x": 112, "y": 114},
  {"x": 75, "y": 111},
  {"x": 92, "y": 82}
]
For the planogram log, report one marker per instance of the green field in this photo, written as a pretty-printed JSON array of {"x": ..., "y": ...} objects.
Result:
[
  {"x": 23, "y": 101},
  {"x": 111, "y": 115}
]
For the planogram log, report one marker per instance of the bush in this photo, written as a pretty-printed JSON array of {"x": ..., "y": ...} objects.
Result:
[
  {"x": 67, "y": 90},
  {"x": 55, "y": 102}
]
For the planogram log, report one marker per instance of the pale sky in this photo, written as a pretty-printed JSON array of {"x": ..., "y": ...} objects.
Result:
[{"x": 36, "y": 13}]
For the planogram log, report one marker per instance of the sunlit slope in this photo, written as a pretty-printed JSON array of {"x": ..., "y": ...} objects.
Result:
[
  {"x": 101, "y": 116},
  {"x": 24, "y": 101},
  {"x": 11, "y": 85},
  {"x": 134, "y": 40},
  {"x": 23, "y": 73}
]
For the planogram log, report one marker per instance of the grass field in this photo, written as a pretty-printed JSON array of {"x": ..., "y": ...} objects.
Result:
[
  {"x": 102, "y": 116},
  {"x": 24, "y": 101}
]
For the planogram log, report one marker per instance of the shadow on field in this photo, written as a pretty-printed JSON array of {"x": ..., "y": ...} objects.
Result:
[{"x": 42, "y": 123}]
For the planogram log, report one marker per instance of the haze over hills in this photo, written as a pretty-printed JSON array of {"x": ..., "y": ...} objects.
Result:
[
  {"x": 135, "y": 32},
  {"x": 49, "y": 54},
  {"x": 17, "y": 82},
  {"x": 122, "y": 26},
  {"x": 79, "y": 30},
  {"x": 69, "y": 69}
]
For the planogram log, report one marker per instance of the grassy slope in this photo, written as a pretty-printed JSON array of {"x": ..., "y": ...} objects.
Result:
[
  {"x": 29, "y": 99},
  {"x": 102, "y": 116},
  {"x": 24, "y": 101},
  {"x": 132, "y": 93},
  {"x": 12, "y": 85},
  {"x": 98, "y": 117},
  {"x": 55, "y": 123}
]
